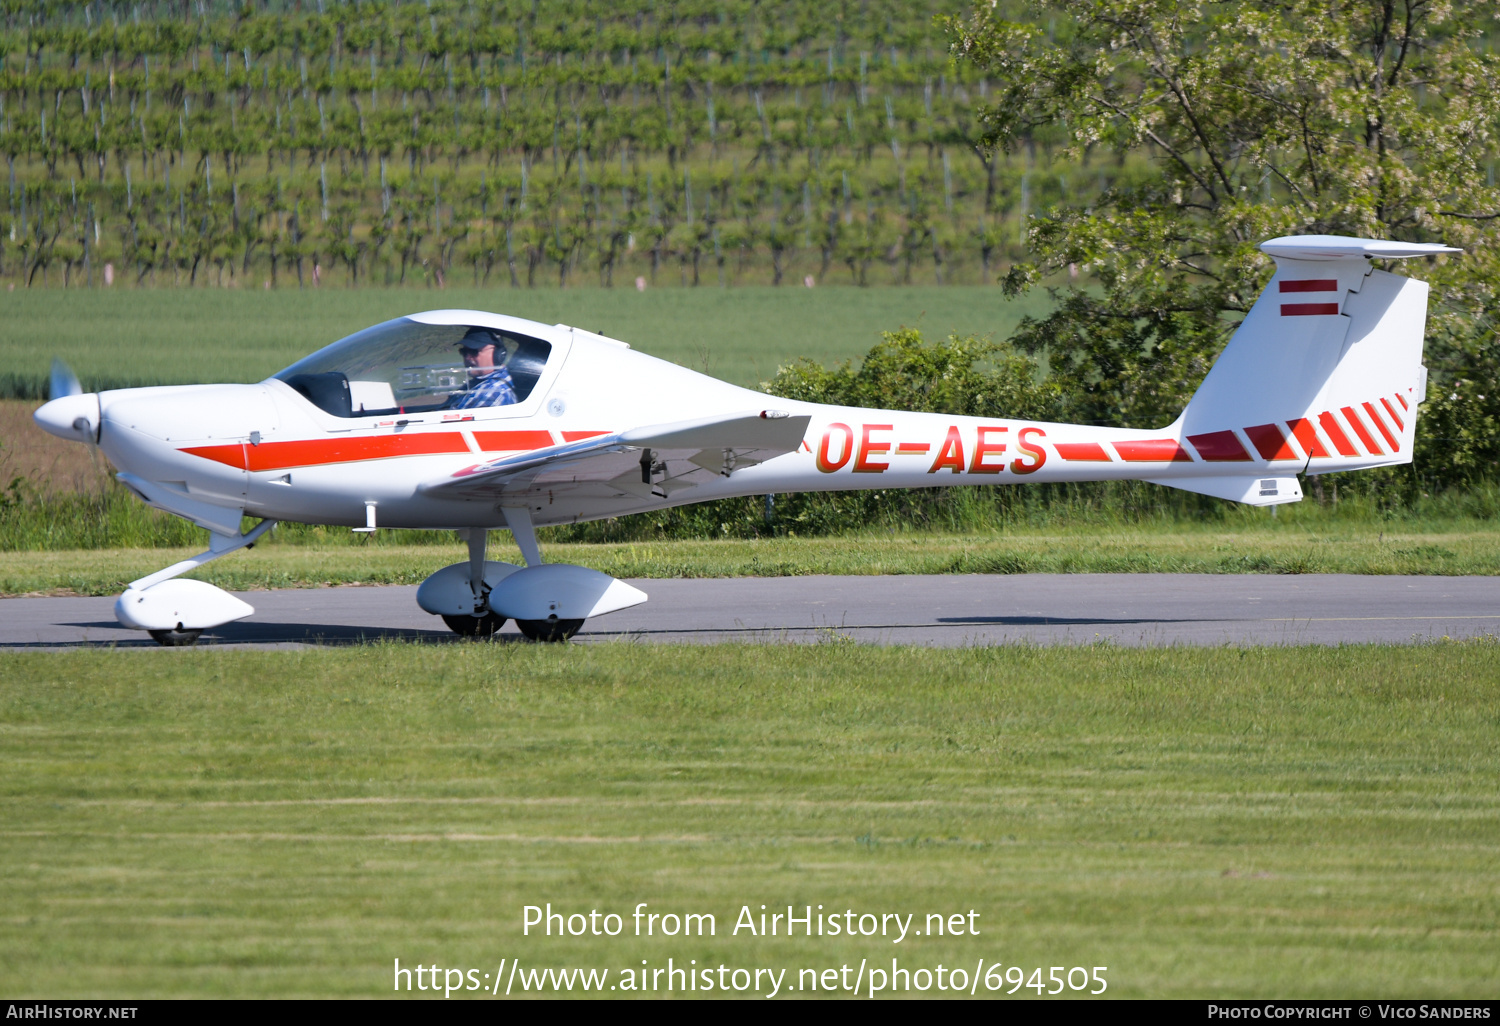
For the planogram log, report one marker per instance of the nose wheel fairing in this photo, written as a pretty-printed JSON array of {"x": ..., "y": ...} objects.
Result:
[{"x": 176, "y": 611}]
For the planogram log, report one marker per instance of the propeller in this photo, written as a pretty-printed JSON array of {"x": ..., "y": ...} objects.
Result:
[
  {"x": 63, "y": 381},
  {"x": 69, "y": 412}
]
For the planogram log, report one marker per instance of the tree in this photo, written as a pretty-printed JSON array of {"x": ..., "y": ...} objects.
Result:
[{"x": 1256, "y": 118}]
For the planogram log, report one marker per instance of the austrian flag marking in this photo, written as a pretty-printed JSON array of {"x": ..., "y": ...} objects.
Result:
[{"x": 1309, "y": 309}]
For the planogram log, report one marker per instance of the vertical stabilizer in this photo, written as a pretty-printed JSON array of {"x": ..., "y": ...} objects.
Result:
[{"x": 1324, "y": 373}]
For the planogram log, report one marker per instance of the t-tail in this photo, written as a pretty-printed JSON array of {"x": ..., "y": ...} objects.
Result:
[{"x": 1324, "y": 374}]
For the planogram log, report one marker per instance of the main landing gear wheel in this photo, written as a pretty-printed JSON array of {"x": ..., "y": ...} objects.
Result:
[
  {"x": 175, "y": 639},
  {"x": 474, "y": 626},
  {"x": 550, "y": 629}
]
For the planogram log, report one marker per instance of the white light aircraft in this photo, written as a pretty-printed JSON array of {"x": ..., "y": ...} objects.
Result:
[{"x": 471, "y": 421}]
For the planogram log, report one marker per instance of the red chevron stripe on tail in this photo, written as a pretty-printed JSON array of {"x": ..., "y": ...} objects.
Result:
[
  {"x": 1380, "y": 425},
  {"x": 1336, "y": 435},
  {"x": 1307, "y": 437},
  {"x": 1220, "y": 447},
  {"x": 1270, "y": 442},
  {"x": 1392, "y": 411},
  {"x": 1358, "y": 427}
]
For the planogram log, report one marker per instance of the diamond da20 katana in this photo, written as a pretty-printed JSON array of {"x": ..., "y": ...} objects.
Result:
[{"x": 471, "y": 421}]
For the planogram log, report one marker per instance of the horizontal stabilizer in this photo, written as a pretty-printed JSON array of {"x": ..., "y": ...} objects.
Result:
[
  {"x": 1340, "y": 247},
  {"x": 1253, "y": 491}
]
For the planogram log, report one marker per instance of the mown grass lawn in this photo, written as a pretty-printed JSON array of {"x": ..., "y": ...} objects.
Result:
[
  {"x": 1437, "y": 547},
  {"x": 1231, "y": 822},
  {"x": 186, "y": 336}
]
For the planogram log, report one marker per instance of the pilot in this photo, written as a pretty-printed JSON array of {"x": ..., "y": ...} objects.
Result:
[{"x": 489, "y": 382}]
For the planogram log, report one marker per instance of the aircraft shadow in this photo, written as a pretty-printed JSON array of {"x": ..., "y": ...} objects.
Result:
[
  {"x": 1070, "y": 621},
  {"x": 943, "y": 621},
  {"x": 264, "y": 633},
  {"x": 322, "y": 634},
  {"x": 336, "y": 635}
]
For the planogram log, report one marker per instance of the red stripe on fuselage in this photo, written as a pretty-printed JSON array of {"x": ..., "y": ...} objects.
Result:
[
  {"x": 229, "y": 455},
  {"x": 1311, "y": 285},
  {"x": 1152, "y": 450},
  {"x": 1308, "y": 309},
  {"x": 314, "y": 452},
  {"x": 1082, "y": 452},
  {"x": 512, "y": 441}
]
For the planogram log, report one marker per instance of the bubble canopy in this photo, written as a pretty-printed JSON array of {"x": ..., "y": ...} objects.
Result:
[{"x": 404, "y": 366}]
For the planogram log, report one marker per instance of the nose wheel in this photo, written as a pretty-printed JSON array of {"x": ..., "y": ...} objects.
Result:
[{"x": 474, "y": 626}]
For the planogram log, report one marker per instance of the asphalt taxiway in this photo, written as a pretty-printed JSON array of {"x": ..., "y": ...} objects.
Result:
[{"x": 1042, "y": 609}]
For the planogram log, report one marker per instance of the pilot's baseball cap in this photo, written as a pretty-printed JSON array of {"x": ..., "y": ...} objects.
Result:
[{"x": 477, "y": 338}]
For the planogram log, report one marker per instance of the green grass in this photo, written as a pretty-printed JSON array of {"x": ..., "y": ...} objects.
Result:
[
  {"x": 1227, "y": 822},
  {"x": 1434, "y": 547},
  {"x": 175, "y": 336}
]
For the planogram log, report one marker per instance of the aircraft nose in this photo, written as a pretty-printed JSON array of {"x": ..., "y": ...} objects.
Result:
[{"x": 74, "y": 417}]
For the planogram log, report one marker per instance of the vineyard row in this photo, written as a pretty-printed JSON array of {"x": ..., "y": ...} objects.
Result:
[{"x": 400, "y": 140}]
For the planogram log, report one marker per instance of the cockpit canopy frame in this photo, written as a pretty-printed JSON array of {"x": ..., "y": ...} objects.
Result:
[{"x": 412, "y": 365}]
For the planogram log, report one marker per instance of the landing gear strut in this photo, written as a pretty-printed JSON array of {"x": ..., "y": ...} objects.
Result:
[
  {"x": 483, "y": 622},
  {"x": 553, "y": 628}
]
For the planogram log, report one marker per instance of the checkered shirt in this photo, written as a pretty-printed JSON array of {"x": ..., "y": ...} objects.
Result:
[{"x": 494, "y": 389}]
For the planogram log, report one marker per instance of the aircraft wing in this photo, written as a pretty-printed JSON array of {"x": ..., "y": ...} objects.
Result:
[{"x": 648, "y": 462}]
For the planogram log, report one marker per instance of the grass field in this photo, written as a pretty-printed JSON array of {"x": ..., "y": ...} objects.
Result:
[
  {"x": 1229, "y": 822},
  {"x": 174, "y": 336},
  {"x": 1434, "y": 547}
]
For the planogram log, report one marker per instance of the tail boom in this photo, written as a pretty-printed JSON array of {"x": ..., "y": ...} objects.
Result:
[{"x": 1324, "y": 374}]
